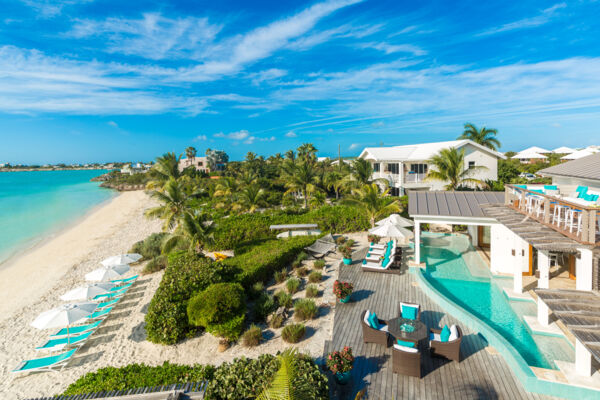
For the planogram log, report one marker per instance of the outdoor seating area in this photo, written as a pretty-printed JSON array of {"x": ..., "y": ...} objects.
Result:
[{"x": 77, "y": 322}]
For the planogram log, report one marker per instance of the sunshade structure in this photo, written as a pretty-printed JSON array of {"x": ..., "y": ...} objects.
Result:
[
  {"x": 391, "y": 231},
  {"x": 321, "y": 247},
  {"x": 87, "y": 292},
  {"x": 121, "y": 259},
  {"x": 104, "y": 274},
  {"x": 396, "y": 220},
  {"x": 64, "y": 316}
]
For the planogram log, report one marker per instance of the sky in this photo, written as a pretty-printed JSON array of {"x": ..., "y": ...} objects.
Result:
[{"x": 105, "y": 80}]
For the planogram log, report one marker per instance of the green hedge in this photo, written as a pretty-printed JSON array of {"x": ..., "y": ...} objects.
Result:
[
  {"x": 258, "y": 263},
  {"x": 150, "y": 247},
  {"x": 234, "y": 230},
  {"x": 167, "y": 320},
  {"x": 136, "y": 376}
]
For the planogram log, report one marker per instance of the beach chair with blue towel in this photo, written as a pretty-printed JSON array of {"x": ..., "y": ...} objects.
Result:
[
  {"x": 53, "y": 363},
  {"x": 59, "y": 344},
  {"x": 76, "y": 330},
  {"x": 120, "y": 288},
  {"x": 126, "y": 280}
]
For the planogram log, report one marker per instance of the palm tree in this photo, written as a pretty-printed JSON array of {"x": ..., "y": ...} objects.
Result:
[
  {"x": 300, "y": 178},
  {"x": 174, "y": 204},
  {"x": 190, "y": 153},
  {"x": 193, "y": 232},
  {"x": 290, "y": 155},
  {"x": 375, "y": 203},
  {"x": 362, "y": 171},
  {"x": 284, "y": 385},
  {"x": 165, "y": 168},
  {"x": 307, "y": 152},
  {"x": 449, "y": 166},
  {"x": 484, "y": 136},
  {"x": 226, "y": 187},
  {"x": 317, "y": 198},
  {"x": 251, "y": 197},
  {"x": 334, "y": 180}
]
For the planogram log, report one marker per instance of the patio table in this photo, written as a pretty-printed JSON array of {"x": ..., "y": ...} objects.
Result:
[{"x": 400, "y": 328}]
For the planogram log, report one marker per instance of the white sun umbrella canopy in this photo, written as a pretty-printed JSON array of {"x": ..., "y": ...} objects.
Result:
[
  {"x": 121, "y": 259},
  {"x": 397, "y": 220},
  {"x": 391, "y": 231},
  {"x": 64, "y": 316},
  {"x": 104, "y": 274},
  {"x": 87, "y": 292}
]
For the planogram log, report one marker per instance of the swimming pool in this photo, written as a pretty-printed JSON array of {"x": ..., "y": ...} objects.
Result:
[{"x": 459, "y": 273}]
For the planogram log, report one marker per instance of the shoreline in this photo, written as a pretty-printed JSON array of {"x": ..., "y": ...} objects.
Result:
[{"x": 34, "y": 243}]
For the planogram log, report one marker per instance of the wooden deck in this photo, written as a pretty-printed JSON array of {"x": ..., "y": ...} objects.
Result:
[{"x": 481, "y": 374}]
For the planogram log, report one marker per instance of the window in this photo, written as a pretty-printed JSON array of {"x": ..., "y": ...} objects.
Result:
[
  {"x": 394, "y": 191},
  {"x": 471, "y": 164},
  {"x": 418, "y": 168},
  {"x": 199, "y": 163},
  {"x": 393, "y": 168},
  {"x": 375, "y": 167}
]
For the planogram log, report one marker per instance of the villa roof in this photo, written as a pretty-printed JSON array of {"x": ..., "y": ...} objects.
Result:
[
  {"x": 586, "y": 167},
  {"x": 580, "y": 154},
  {"x": 419, "y": 152},
  {"x": 579, "y": 311},
  {"x": 529, "y": 153},
  {"x": 563, "y": 150},
  {"x": 536, "y": 234},
  {"x": 453, "y": 204},
  {"x": 535, "y": 149}
]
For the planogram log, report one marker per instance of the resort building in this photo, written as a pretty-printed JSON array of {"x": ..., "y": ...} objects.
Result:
[
  {"x": 405, "y": 167},
  {"x": 581, "y": 153},
  {"x": 200, "y": 163},
  {"x": 531, "y": 156},
  {"x": 545, "y": 239}
]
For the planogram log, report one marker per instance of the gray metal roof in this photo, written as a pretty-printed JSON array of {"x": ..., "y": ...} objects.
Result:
[
  {"x": 579, "y": 310},
  {"x": 456, "y": 204},
  {"x": 585, "y": 167}
]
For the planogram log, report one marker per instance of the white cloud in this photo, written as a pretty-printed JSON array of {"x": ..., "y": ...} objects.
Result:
[
  {"x": 388, "y": 48},
  {"x": 267, "y": 75},
  {"x": 353, "y": 146},
  {"x": 378, "y": 124},
  {"x": 239, "y": 135},
  {"x": 200, "y": 138},
  {"x": 291, "y": 134},
  {"x": 544, "y": 17},
  {"x": 51, "y": 8},
  {"x": 252, "y": 139},
  {"x": 113, "y": 124}
]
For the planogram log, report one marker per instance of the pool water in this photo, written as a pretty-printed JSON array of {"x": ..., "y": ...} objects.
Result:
[{"x": 459, "y": 273}]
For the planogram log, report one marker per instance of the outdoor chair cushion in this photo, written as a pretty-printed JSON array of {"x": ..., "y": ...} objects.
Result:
[
  {"x": 409, "y": 312},
  {"x": 405, "y": 344},
  {"x": 434, "y": 336},
  {"x": 445, "y": 335},
  {"x": 373, "y": 322},
  {"x": 367, "y": 313},
  {"x": 453, "y": 333},
  {"x": 383, "y": 328},
  {"x": 550, "y": 187},
  {"x": 407, "y": 349}
]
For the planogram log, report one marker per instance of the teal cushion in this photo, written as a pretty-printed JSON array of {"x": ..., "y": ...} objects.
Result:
[
  {"x": 364, "y": 261},
  {"x": 590, "y": 197},
  {"x": 385, "y": 261},
  {"x": 521, "y": 186},
  {"x": 374, "y": 322},
  {"x": 550, "y": 187},
  {"x": 445, "y": 334},
  {"x": 595, "y": 197},
  {"x": 405, "y": 344},
  {"x": 582, "y": 189},
  {"x": 409, "y": 312},
  {"x": 537, "y": 191}
]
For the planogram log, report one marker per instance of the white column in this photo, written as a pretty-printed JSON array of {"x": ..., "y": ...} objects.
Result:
[
  {"x": 518, "y": 274},
  {"x": 583, "y": 359},
  {"x": 544, "y": 268},
  {"x": 417, "y": 242},
  {"x": 583, "y": 270},
  {"x": 543, "y": 313}
]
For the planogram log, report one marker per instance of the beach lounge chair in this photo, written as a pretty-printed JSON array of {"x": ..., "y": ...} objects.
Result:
[
  {"x": 52, "y": 363},
  {"x": 118, "y": 288},
  {"x": 449, "y": 349},
  {"x": 100, "y": 314},
  {"x": 76, "y": 330},
  {"x": 372, "y": 335},
  {"x": 108, "y": 303},
  {"x": 61, "y": 343},
  {"x": 126, "y": 280},
  {"x": 321, "y": 247},
  {"x": 111, "y": 295}
]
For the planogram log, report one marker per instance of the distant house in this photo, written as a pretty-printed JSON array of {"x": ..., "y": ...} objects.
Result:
[
  {"x": 581, "y": 153},
  {"x": 530, "y": 156},
  {"x": 405, "y": 167},
  {"x": 199, "y": 163},
  {"x": 563, "y": 150}
]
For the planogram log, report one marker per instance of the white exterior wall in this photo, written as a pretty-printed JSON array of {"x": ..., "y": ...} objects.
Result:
[
  {"x": 503, "y": 242},
  {"x": 568, "y": 184},
  {"x": 484, "y": 160},
  {"x": 473, "y": 232}
]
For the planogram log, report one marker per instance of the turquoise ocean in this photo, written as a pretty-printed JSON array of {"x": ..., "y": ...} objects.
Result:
[{"x": 36, "y": 204}]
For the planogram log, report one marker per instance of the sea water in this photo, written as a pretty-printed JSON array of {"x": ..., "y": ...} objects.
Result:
[{"x": 38, "y": 203}]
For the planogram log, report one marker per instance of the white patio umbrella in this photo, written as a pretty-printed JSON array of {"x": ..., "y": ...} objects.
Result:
[
  {"x": 104, "y": 274},
  {"x": 392, "y": 231},
  {"x": 121, "y": 259},
  {"x": 87, "y": 292},
  {"x": 396, "y": 220},
  {"x": 64, "y": 316}
]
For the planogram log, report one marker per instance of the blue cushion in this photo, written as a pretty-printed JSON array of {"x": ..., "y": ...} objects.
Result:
[
  {"x": 582, "y": 189},
  {"x": 550, "y": 187},
  {"x": 521, "y": 186},
  {"x": 595, "y": 197},
  {"x": 409, "y": 312},
  {"x": 590, "y": 197},
  {"x": 375, "y": 323},
  {"x": 364, "y": 261},
  {"x": 445, "y": 334},
  {"x": 405, "y": 344},
  {"x": 385, "y": 261},
  {"x": 537, "y": 191}
]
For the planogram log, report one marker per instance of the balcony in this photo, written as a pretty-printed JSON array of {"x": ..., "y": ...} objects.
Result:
[
  {"x": 573, "y": 217},
  {"x": 411, "y": 177}
]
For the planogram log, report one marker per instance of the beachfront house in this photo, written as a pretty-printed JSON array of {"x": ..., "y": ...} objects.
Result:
[
  {"x": 547, "y": 238},
  {"x": 405, "y": 167},
  {"x": 199, "y": 163}
]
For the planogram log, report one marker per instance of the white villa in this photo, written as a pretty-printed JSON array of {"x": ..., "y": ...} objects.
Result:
[
  {"x": 405, "y": 167},
  {"x": 199, "y": 163},
  {"x": 547, "y": 237}
]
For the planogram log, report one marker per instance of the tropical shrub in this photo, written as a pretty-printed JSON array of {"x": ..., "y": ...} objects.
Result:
[
  {"x": 156, "y": 264},
  {"x": 312, "y": 291},
  {"x": 134, "y": 376},
  {"x": 342, "y": 289},
  {"x": 346, "y": 251},
  {"x": 252, "y": 336},
  {"x": 150, "y": 247},
  {"x": 281, "y": 276},
  {"x": 263, "y": 306},
  {"x": 296, "y": 264},
  {"x": 305, "y": 309},
  {"x": 340, "y": 240},
  {"x": 315, "y": 277},
  {"x": 293, "y": 333},
  {"x": 284, "y": 299},
  {"x": 301, "y": 256},
  {"x": 257, "y": 289},
  {"x": 167, "y": 320},
  {"x": 319, "y": 264},
  {"x": 276, "y": 321},
  {"x": 244, "y": 378},
  {"x": 340, "y": 361},
  {"x": 302, "y": 271},
  {"x": 292, "y": 285},
  {"x": 220, "y": 309}
]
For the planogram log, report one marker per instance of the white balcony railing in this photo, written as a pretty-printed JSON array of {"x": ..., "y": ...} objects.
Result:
[{"x": 414, "y": 177}]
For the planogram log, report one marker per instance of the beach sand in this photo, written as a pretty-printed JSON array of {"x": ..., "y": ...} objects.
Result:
[{"x": 34, "y": 282}]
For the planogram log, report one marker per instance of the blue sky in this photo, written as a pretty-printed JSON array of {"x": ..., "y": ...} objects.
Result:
[{"x": 101, "y": 80}]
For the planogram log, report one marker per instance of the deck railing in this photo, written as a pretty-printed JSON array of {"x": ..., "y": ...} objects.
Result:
[
  {"x": 414, "y": 177},
  {"x": 574, "y": 220}
]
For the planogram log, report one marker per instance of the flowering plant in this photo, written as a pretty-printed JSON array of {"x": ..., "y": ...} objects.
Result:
[
  {"x": 342, "y": 289},
  {"x": 373, "y": 238},
  {"x": 340, "y": 361},
  {"x": 346, "y": 251}
]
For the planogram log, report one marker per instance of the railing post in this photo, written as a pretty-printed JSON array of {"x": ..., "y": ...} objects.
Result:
[
  {"x": 585, "y": 222},
  {"x": 546, "y": 210}
]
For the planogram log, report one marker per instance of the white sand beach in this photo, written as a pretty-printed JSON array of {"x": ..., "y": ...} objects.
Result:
[{"x": 34, "y": 282}]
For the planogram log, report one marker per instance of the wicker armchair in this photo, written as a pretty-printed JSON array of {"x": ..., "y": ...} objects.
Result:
[
  {"x": 406, "y": 363},
  {"x": 371, "y": 335},
  {"x": 449, "y": 349},
  {"x": 411, "y": 305}
]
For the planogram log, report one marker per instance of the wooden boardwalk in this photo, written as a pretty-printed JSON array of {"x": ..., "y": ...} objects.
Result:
[{"x": 480, "y": 375}]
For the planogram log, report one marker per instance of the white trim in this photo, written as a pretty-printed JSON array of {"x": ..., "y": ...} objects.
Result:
[{"x": 457, "y": 220}]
